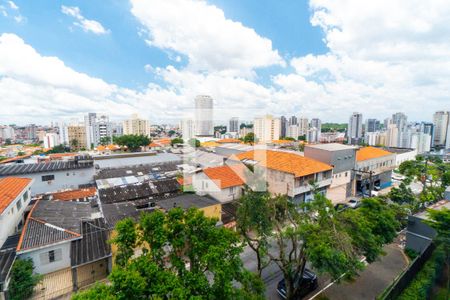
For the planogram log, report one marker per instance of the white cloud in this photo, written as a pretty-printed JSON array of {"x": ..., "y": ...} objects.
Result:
[
  {"x": 9, "y": 9},
  {"x": 12, "y": 5},
  {"x": 203, "y": 33},
  {"x": 86, "y": 24}
]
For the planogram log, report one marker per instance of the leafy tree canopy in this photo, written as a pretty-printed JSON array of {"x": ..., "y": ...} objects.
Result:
[
  {"x": 22, "y": 279},
  {"x": 176, "y": 141},
  {"x": 134, "y": 142}
]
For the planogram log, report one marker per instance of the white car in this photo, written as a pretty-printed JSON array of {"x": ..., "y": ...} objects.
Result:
[{"x": 354, "y": 203}]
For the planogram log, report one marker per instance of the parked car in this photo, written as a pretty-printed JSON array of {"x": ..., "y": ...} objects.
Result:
[
  {"x": 354, "y": 203},
  {"x": 307, "y": 284},
  {"x": 376, "y": 187},
  {"x": 341, "y": 207}
]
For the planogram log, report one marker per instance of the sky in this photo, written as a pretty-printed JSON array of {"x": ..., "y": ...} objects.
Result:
[{"x": 320, "y": 58}]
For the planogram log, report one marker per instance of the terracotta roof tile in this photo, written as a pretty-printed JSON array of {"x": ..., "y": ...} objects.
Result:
[
  {"x": 370, "y": 152},
  {"x": 75, "y": 194},
  {"x": 286, "y": 162},
  {"x": 14, "y": 158},
  {"x": 225, "y": 176},
  {"x": 10, "y": 188},
  {"x": 223, "y": 141}
]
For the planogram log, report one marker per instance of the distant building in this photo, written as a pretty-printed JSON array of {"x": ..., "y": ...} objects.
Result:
[
  {"x": 293, "y": 120},
  {"x": 343, "y": 159},
  {"x": 267, "y": 128},
  {"x": 63, "y": 134},
  {"x": 372, "y": 125},
  {"x": 293, "y": 131},
  {"x": 303, "y": 126},
  {"x": 187, "y": 129},
  {"x": 373, "y": 164},
  {"x": 354, "y": 133},
  {"x": 315, "y": 131},
  {"x": 392, "y": 136},
  {"x": 204, "y": 116},
  {"x": 441, "y": 124},
  {"x": 234, "y": 125},
  {"x": 51, "y": 139},
  {"x": 89, "y": 121},
  {"x": 421, "y": 142},
  {"x": 102, "y": 128},
  {"x": 283, "y": 126},
  {"x": 77, "y": 137},
  {"x": 136, "y": 125}
]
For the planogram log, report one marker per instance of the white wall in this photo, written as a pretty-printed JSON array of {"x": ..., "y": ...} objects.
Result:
[
  {"x": 69, "y": 179},
  {"x": 401, "y": 157},
  {"x": 11, "y": 216},
  {"x": 203, "y": 185},
  {"x": 40, "y": 258}
]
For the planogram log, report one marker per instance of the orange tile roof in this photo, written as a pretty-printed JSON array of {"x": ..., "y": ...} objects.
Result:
[
  {"x": 163, "y": 142},
  {"x": 225, "y": 176},
  {"x": 223, "y": 141},
  {"x": 14, "y": 158},
  {"x": 75, "y": 194},
  {"x": 210, "y": 144},
  {"x": 286, "y": 162},
  {"x": 101, "y": 148},
  {"x": 153, "y": 145},
  {"x": 186, "y": 180},
  {"x": 370, "y": 152},
  {"x": 10, "y": 188},
  {"x": 60, "y": 155},
  {"x": 282, "y": 141}
]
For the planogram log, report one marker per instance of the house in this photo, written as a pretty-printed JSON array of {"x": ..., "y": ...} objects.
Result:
[
  {"x": 419, "y": 235},
  {"x": 83, "y": 195},
  {"x": 289, "y": 173},
  {"x": 210, "y": 207},
  {"x": 66, "y": 239},
  {"x": 402, "y": 154},
  {"x": 373, "y": 164},
  {"x": 15, "y": 195},
  {"x": 343, "y": 159},
  {"x": 223, "y": 183},
  {"x": 54, "y": 175}
]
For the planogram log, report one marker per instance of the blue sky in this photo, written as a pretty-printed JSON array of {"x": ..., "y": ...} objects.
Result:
[{"x": 316, "y": 58}]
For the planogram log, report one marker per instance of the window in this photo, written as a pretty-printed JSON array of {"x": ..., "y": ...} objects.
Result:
[
  {"x": 48, "y": 177},
  {"x": 25, "y": 196},
  {"x": 51, "y": 256},
  {"x": 19, "y": 205}
]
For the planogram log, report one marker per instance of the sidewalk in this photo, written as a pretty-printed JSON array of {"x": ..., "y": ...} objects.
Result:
[{"x": 374, "y": 279}]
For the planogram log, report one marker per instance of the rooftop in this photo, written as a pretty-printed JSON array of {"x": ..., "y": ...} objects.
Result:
[
  {"x": 7, "y": 258},
  {"x": 114, "y": 212},
  {"x": 17, "y": 169},
  {"x": 224, "y": 141},
  {"x": 366, "y": 153},
  {"x": 10, "y": 188},
  {"x": 332, "y": 147},
  {"x": 287, "y": 162},
  {"x": 134, "y": 159},
  {"x": 437, "y": 206},
  {"x": 138, "y": 170},
  {"x": 13, "y": 159},
  {"x": 225, "y": 176},
  {"x": 75, "y": 194},
  {"x": 187, "y": 201}
]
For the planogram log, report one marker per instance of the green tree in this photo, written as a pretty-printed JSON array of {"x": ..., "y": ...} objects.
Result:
[
  {"x": 402, "y": 194},
  {"x": 184, "y": 256},
  {"x": 250, "y": 138},
  {"x": 73, "y": 144},
  {"x": 176, "y": 141},
  {"x": 288, "y": 138},
  {"x": 106, "y": 140},
  {"x": 58, "y": 149},
  {"x": 440, "y": 221},
  {"x": 194, "y": 143},
  {"x": 22, "y": 279},
  {"x": 302, "y": 137},
  {"x": 8, "y": 142},
  {"x": 133, "y": 142},
  {"x": 171, "y": 132},
  {"x": 20, "y": 153}
]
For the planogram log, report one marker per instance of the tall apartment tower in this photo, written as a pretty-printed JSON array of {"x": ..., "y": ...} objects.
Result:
[
  {"x": 283, "y": 126},
  {"x": 103, "y": 128},
  {"x": 354, "y": 132},
  {"x": 441, "y": 124},
  {"x": 401, "y": 121},
  {"x": 204, "y": 116},
  {"x": 234, "y": 125},
  {"x": 372, "y": 125},
  {"x": 303, "y": 125},
  {"x": 267, "y": 128},
  {"x": 89, "y": 121},
  {"x": 135, "y": 125}
]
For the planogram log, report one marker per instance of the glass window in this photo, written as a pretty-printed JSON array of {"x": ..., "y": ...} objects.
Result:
[
  {"x": 48, "y": 177},
  {"x": 51, "y": 255},
  {"x": 19, "y": 205}
]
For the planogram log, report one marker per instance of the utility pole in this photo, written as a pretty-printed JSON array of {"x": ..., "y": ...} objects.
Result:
[{"x": 370, "y": 180}]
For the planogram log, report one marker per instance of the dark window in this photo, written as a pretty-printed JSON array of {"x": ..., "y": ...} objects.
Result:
[
  {"x": 51, "y": 256},
  {"x": 48, "y": 177}
]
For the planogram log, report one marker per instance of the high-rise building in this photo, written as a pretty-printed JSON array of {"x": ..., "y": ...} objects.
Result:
[
  {"x": 187, "y": 129},
  {"x": 293, "y": 131},
  {"x": 303, "y": 126},
  {"x": 441, "y": 122},
  {"x": 77, "y": 137},
  {"x": 354, "y": 132},
  {"x": 51, "y": 139},
  {"x": 421, "y": 142},
  {"x": 204, "y": 116},
  {"x": 234, "y": 125},
  {"x": 267, "y": 128},
  {"x": 372, "y": 125},
  {"x": 428, "y": 128},
  {"x": 313, "y": 135},
  {"x": 283, "y": 126},
  {"x": 102, "y": 128},
  {"x": 403, "y": 136},
  {"x": 135, "y": 125},
  {"x": 293, "y": 120},
  {"x": 392, "y": 135},
  {"x": 89, "y": 121}
]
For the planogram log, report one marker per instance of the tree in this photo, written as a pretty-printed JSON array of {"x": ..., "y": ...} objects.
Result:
[
  {"x": 194, "y": 143},
  {"x": 184, "y": 256},
  {"x": 253, "y": 223},
  {"x": 106, "y": 140},
  {"x": 74, "y": 143},
  {"x": 288, "y": 138},
  {"x": 20, "y": 153},
  {"x": 402, "y": 194},
  {"x": 171, "y": 132},
  {"x": 302, "y": 137},
  {"x": 250, "y": 138},
  {"x": 176, "y": 141},
  {"x": 22, "y": 279},
  {"x": 8, "y": 142},
  {"x": 440, "y": 221},
  {"x": 133, "y": 142}
]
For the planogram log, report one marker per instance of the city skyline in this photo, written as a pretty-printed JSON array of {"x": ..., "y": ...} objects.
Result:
[{"x": 301, "y": 65}]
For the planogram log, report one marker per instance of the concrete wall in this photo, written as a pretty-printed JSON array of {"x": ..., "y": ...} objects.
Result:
[
  {"x": 402, "y": 157},
  {"x": 341, "y": 160},
  {"x": 203, "y": 185},
  {"x": 69, "y": 179},
  {"x": 12, "y": 216},
  {"x": 40, "y": 258}
]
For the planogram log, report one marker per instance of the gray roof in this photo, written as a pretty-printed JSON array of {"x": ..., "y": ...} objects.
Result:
[
  {"x": 16, "y": 169},
  {"x": 115, "y": 212},
  {"x": 38, "y": 233},
  {"x": 332, "y": 147},
  {"x": 187, "y": 201},
  {"x": 125, "y": 160},
  {"x": 7, "y": 258},
  {"x": 94, "y": 244},
  {"x": 11, "y": 242},
  {"x": 204, "y": 159},
  {"x": 154, "y": 169}
]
